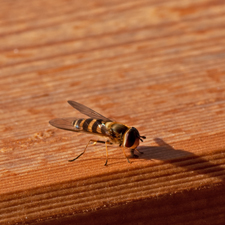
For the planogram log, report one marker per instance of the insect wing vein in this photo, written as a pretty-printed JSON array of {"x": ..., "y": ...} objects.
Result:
[{"x": 87, "y": 111}]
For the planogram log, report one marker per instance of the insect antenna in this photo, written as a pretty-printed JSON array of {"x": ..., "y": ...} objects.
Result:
[{"x": 140, "y": 137}]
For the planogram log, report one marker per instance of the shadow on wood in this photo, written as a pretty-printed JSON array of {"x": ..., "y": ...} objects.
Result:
[{"x": 181, "y": 158}]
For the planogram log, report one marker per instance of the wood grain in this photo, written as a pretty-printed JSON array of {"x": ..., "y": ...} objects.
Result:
[{"x": 156, "y": 65}]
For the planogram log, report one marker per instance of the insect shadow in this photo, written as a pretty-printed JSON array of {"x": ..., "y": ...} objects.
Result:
[
  {"x": 181, "y": 158},
  {"x": 163, "y": 151}
]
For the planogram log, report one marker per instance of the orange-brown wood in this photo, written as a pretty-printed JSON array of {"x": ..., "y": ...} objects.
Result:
[{"x": 156, "y": 65}]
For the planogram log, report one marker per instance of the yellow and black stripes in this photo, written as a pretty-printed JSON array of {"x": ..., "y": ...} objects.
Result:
[
  {"x": 91, "y": 125},
  {"x": 76, "y": 123}
]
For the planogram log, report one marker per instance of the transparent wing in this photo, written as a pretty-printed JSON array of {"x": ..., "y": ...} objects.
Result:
[
  {"x": 64, "y": 123},
  {"x": 88, "y": 112}
]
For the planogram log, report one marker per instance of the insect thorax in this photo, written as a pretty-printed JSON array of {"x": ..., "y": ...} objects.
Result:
[{"x": 117, "y": 131}]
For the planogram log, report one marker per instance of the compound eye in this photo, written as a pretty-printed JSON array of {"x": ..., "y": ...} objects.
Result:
[{"x": 131, "y": 137}]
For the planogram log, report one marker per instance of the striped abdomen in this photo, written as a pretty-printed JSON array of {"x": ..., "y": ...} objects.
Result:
[{"x": 92, "y": 126}]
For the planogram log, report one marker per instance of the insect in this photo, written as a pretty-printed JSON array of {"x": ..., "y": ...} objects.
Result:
[{"x": 116, "y": 133}]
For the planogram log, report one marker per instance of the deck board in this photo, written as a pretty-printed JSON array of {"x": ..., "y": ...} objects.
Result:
[{"x": 156, "y": 65}]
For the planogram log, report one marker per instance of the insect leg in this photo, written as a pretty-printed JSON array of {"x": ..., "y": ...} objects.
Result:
[
  {"x": 106, "y": 153},
  {"x": 95, "y": 141},
  {"x": 134, "y": 155},
  {"x": 125, "y": 155},
  {"x": 138, "y": 151}
]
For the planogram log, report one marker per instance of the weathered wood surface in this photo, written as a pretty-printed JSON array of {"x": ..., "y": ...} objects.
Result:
[{"x": 156, "y": 65}]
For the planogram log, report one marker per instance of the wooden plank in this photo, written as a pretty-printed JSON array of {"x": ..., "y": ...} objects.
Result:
[{"x": 155, "y": 65}]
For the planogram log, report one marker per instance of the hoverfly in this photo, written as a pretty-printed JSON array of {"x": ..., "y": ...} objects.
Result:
[{"x": 117, "y": 133}]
